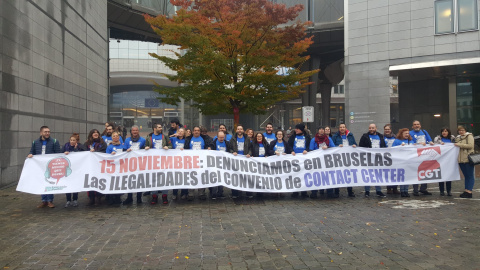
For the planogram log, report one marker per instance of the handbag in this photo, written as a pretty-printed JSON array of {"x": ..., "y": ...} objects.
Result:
[{"x": 474, "y": 159}]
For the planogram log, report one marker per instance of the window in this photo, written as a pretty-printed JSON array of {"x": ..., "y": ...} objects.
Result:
[
  {"x": 339, "y": 89},
  {"x": 455, "y": 16}
]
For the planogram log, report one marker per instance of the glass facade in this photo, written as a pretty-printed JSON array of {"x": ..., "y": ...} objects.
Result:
[
  {"x": 467, "y": 15},
  {"x": 444, "y": 17},
  {"x": 455, "y": 16},
  {"x": 131, "y": 49},
  {"x": 468, "y": 103}
]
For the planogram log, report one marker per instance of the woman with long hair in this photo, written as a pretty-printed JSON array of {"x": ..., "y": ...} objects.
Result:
[
  {"x": 95, "y": 143},
  {"x": 260, "y": 148},
  {"x": 249, "y": 132},
  {"x": 445, "y": 137},
  {"x": 279, "y": 146}
]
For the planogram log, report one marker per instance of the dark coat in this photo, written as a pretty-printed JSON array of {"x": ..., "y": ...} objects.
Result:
[
  {"x": 271, "y": 147},
  {"x": 214, "y": 145},
  {"x": 366, "y": 142},
  {"x": 247, "y": 146},
  {"x": 291, "y": 141},
  {"x": 68, "y": 148},
  {"x": 53, "y": 146},
  {"x": 337, "y": 138},
  {"x": 256, "y": 149},
  {"x": 208, "y": 143}
]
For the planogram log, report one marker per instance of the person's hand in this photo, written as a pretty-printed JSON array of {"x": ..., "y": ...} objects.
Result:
[
  {"x": 29, "y": 156},
  {"x": 165, "y": 147},
  {"x": 442, "y": 143},
  {"x": 293, "y": 153},
  {"x": 92, "y": 150},
  {"x": 354, "y": 145},
  {"x": 234, "y": 153},
  {"x": 431, "y": 143},
  {"x": 277, "y": 153},
  {"x": 248, "y": 156},
  {"x": 305, "y": 152},
  {"x": 76, "y": 145},
  {"x": 146, "y": 147},
  {"x": 129, "y": 150},
  {"x": 424, "y": 144},
  {"x": 324, "y": 147},
  {"x": 284, "y": 153},
  {"x": 66, "y": 152},
  {"x": 403, "y": 143},
  {"x": 209, "y": 148},
  {"x": 113, "y": 153},
  {"x": 456, "y": 144},
  {"x": 341, "y": 145},
  {"x": 181, "y": 149}
]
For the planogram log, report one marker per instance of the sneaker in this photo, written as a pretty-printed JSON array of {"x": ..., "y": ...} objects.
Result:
[
  {"x": 165, "y": 198},
  {"x": 380, "y": 194},
  {"x": 154, "y": 199},
  {"x": 424, "y": 192},
  {"x": 75, "y": 203},
  {"x": 51, "y": 205},
  {"x": 367, "y": 194},
  {"x": 351, "y": 195},
  {"x": 442, "y": 193},
  {"x": 449, "y": 193},
  {"x": 42, "y": 205},
  {"x": 249, "y": 196},
  {"x": 466, "y": 195},
  {"x": 415, "y": 193},
  {"x": 214, "y": 197},
  {"x": 127, "y": 201},
  {"x": 67, "y": 204},
  {"x": 174, "y": 197},
  {"x": 234, "y": 197}
]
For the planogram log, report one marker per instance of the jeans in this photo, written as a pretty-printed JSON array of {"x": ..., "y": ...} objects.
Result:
[
  {"x": 441, "y": 186},
  {"x": 404, "y": 188},
  {"x": 423, "y": 187},
  {"x": 216, "y": 191},
  {"x": 69, "y": 196},
  {"x": 155, "y": 192},
  {"x": 377, "y": 188},
  {"x": 47, "y": 198},
  {"x": 468, "y": 171}
]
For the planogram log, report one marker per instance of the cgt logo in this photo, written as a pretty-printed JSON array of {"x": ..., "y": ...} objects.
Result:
[
  {"x": 429, "y": 170},
  {"x": 432, "y": 152}
]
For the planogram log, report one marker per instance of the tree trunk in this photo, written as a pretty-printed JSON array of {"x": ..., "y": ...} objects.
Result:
[{"x": 236, "y": 117}]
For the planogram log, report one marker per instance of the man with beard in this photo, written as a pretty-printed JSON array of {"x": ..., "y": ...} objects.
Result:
[
  {"x": 240, "y": 145},
  {"x": 268, "y": 134},
  {"x": 421, "y": 137},
  {"x": 343, "y": 138},
  {"x": 197, "y": 142},
  {"x": 373, "y": 139},
  {"x": 389, "y": 139},
  {"x": 108, "y": 136}
]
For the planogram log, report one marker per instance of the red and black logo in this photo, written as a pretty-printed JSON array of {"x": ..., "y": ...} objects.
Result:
[
  {"x": 429, "y": 151},
  {"x": 429, "y": 170}
]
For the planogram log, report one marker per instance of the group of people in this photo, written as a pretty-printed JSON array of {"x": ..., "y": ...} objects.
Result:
[{"x": 262, "y": 144}]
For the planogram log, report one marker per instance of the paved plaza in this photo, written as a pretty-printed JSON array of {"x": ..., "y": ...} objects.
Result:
[{"x": 426, "y": 232}]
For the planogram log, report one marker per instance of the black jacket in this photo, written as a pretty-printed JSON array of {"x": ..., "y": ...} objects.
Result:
[
  {"x": 367, "y": 143},
  {"x": 256, "y": 149},
  {"x": 288, "y": 149},
  {"x": 247, "y": 146},
  {"x": 53, "y": 146},
  {"x": 214, "y": 145},
  {"x": 207, "y": 142},
  {"x": 291, "y": 141}
]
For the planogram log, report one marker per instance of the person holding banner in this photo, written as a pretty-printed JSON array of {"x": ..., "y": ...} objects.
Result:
[
  {"x": 260, "y": 148},
  {"x": 445, "y": 137},
  {"x": 116, "y": 146},
  {"x": 373, "y": 139},
  {"x": 403, "y": 138},
  {"x": 73, "y": 146},
  {"x": 134, "y": 143},
  {"x": 42, "y": 146},
  {"x": 344, "y": 138},
  {"x": 465, "y": 141},
  {"x": 157, "y": 140},
  {"x": 420, "y": 137},
  {"x": 197, "y": 142},
  {"x": 223, "y": 129},
  {"x": 240, "y": 145},
  {"x": 250, "y": 134},
  {"x": 95, "y": 143},
  {"x": 219, "y": 144},
  {"x": 389, "y": 139},
  {"x": 178, "y": 142},
  {"x": 321, "y": 141},
  {"x": 299, "y": 142}
]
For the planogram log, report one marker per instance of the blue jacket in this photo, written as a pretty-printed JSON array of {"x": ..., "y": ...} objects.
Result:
[
  {"x": 337, "y": 138},
  {"x": 314, "y": 145},
  {"x": 53, "y": 146}
]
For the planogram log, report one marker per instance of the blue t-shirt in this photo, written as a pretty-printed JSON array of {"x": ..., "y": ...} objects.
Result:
[
  {"x": 279, "y": 147},
  {"x": 300, "y": 144},
  {"x": 269, "y": 137},
  {"x": 129, "y": 144},
  {"x": 108, "y": 139},
  {"x": 240, "y": 145},
  {"x": 345, "y": 140},
  {"x": 375, "y": 140},
  {"x": 398, "y": 142},
  {"x": 221, "y": 146},
  {"x": 44, "y": 147},
  {"x": 227, "y": 138},
  {"x": 446, "y": 140},
  {"x": 420, "y": 136},
  {"x": 261, "y": 150},
  {"x": 314, "y": 145},
  {"x": 177, "y": 143},
  {"x": 157, "y": 141},
  {"x": 389, "y": 141},
  {"x": 197, "y": 143},
  {"x": 114, "y": 148}
]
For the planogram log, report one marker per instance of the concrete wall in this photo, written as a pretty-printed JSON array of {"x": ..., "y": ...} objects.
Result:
[
  {"x": 383, "y": 33},
  {"x": 53, "y": 71}
]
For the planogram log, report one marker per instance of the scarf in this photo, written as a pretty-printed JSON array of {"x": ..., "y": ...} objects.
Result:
[{"x": 322, "y": 139}]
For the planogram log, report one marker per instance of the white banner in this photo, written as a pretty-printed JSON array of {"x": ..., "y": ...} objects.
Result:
[{"x": 154, "y": 169}]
